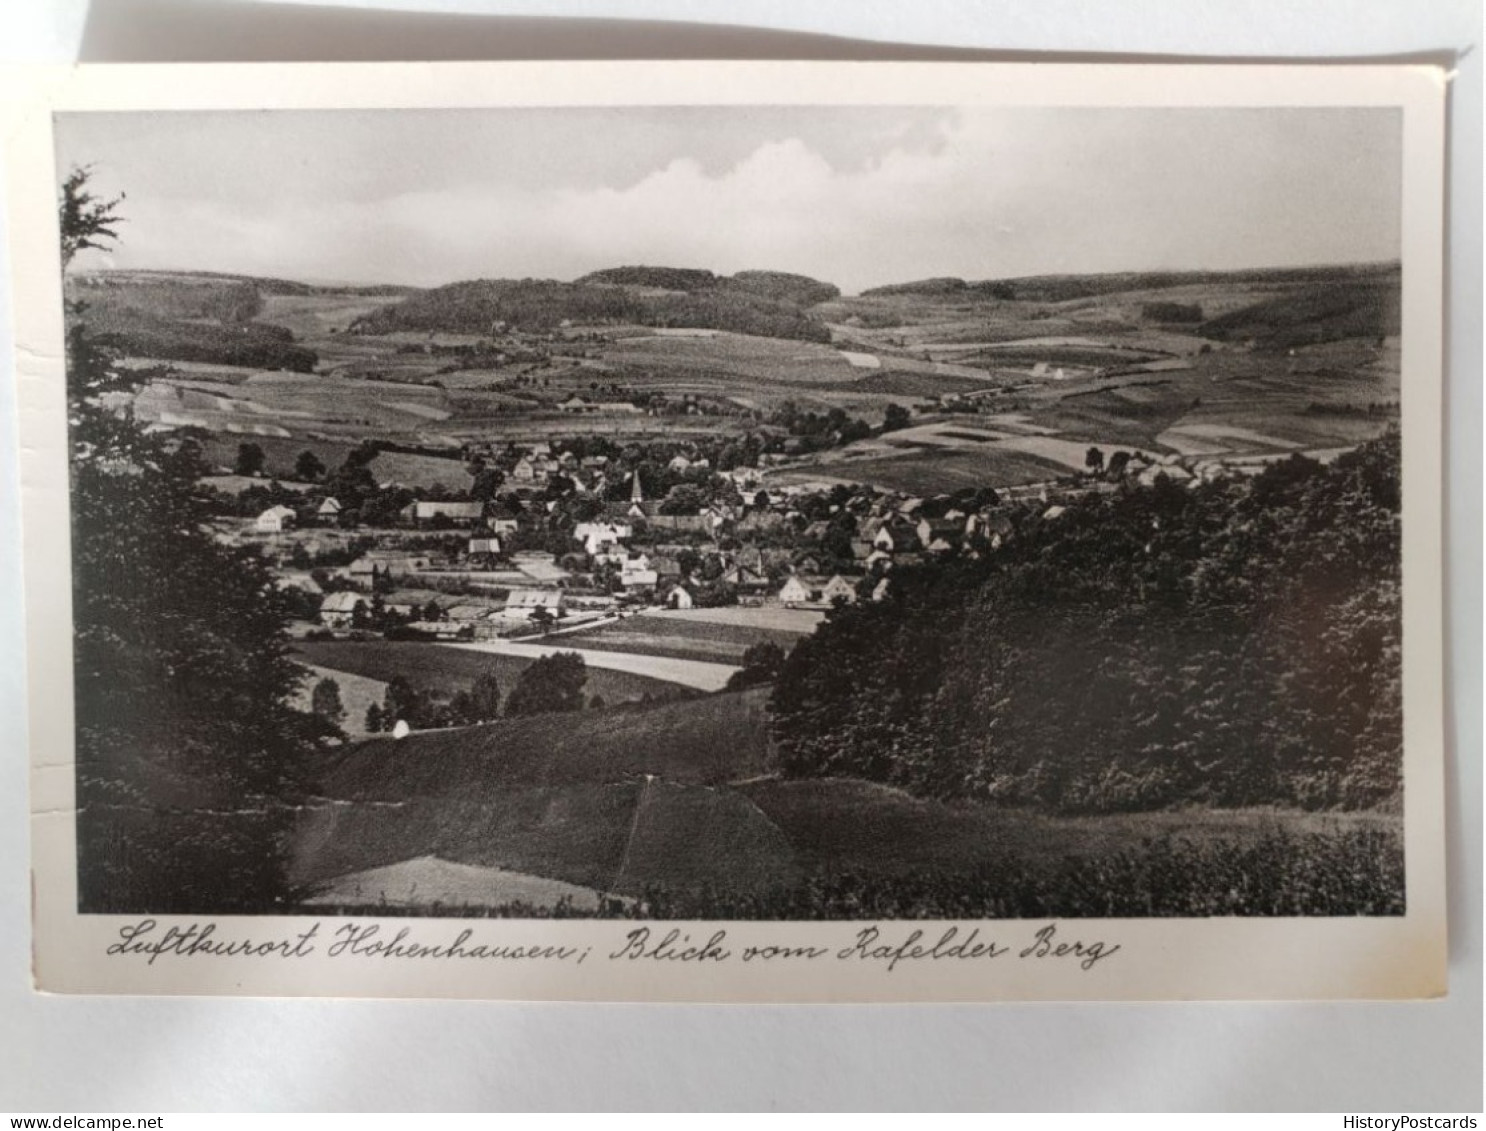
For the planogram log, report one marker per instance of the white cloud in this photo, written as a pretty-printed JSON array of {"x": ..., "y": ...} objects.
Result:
[{"x": 999, "y": 194}]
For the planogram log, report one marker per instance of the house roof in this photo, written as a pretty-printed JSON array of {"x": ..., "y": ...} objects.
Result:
[
  {"x": 342, "y": 603},
  {"x": 533, "y": 598}
]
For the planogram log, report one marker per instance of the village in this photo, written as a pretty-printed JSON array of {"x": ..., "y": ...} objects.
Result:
[{"x": 551, "y": 550}]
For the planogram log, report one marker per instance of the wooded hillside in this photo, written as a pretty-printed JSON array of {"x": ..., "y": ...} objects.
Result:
[{"x": 1233, "y": 645}]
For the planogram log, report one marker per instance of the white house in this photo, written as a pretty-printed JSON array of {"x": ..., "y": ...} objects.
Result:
[
  {"x": 275, "y": 520},
  {"x": 797, "y": 591},
  {"x": 840, "y": 587},
  {"x": 329, "y": 510}
]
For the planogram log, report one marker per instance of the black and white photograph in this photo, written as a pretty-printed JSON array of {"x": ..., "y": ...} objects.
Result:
[{"x": 765, "y": 512}]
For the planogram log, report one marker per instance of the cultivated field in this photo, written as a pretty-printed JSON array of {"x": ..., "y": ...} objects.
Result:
[
  {"x": 1291, "y": 356},
  {"x": 708, "y": 674},
  {"x": 932, "y": 472},
  {"x": 681, "y": 636}
]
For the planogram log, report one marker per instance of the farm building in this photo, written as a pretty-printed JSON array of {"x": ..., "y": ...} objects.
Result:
[
  {"x": 575, "y": 403},
  {"x": 275, "y": 520},
  {"x": 329, "y": 510},
  {"x": 525, "y": 602},
  {"x": 339, "y": 609},
  {"x": 679, "y": 597},
  {"x": 639, "y": 579},
  {"x": 429, "y": 510},
  {"x": 387, "y": 563}
]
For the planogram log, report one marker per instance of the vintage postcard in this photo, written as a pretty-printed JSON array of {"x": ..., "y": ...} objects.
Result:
[{"x": 733, "y": 531}]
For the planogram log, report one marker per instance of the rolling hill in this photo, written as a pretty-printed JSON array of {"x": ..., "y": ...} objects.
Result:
[{"x": 764, "y": 304}]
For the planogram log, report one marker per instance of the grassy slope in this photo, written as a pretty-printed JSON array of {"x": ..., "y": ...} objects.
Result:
[
  {"x": 677, "y": 795},
  {"x": 564, "y": 796},
  {"x": 679, "y": 742}
]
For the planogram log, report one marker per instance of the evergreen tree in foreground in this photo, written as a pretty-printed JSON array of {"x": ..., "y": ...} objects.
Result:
[{"x": 188, "y": 751}]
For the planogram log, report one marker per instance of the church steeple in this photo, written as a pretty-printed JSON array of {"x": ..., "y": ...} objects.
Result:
[{"x": 635, "y": 494}]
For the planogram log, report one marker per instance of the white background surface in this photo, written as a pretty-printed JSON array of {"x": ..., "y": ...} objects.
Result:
[{"x": 59, "y": 1054}]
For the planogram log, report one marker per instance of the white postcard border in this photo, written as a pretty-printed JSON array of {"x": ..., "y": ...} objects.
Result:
[{"x": 1402, "y": 957}]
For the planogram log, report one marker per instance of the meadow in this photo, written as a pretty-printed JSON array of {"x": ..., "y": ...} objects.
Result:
[{"x": 678, "y": 807}]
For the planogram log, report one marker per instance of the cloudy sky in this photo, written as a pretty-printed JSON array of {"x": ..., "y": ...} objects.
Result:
[{"x": 855, "y": 196}]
